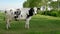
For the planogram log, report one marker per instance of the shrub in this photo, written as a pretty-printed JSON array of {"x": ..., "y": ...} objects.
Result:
[{"x": 55, "y": 13}]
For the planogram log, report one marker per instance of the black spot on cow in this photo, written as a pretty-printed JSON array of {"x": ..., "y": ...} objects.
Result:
[
  {"x": 17, "y": 13},
  {"x": 30, "y": 12},
  {"x": 15, "y": 18}
]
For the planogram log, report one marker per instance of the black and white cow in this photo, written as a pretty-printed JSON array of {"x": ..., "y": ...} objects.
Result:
[{"x": 23, "y": 13}]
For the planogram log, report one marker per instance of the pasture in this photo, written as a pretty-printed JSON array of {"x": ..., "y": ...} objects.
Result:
[{"x": 39, "y": 24}]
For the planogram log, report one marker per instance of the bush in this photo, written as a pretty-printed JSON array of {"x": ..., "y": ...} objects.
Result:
[{"x": 55, "y": 13}]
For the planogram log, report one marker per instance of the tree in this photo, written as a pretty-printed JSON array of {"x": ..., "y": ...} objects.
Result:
[
  {"x": 39, "y": 3},
  {"x": 25, "y": 4},
  {"x": 32, "y": 3}
]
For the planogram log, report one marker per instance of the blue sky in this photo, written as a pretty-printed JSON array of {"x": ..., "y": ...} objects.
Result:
[{"x": 7, "y": 4}]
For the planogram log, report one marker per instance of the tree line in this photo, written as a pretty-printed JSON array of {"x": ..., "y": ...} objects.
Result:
[{"x": 38, "y": 3}]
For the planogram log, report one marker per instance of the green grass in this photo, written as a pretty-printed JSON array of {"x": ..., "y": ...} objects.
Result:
[{"x": 39, "y": 24}]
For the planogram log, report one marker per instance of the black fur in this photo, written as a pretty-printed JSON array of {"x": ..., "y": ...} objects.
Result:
[
  {"x": 30, "y": 12},
  {"x": 17, "y": 13},
  {"x": 15, "y": 18}
]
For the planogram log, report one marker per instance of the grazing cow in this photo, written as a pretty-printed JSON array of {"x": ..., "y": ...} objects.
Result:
[{"x": 23, "y": 13}]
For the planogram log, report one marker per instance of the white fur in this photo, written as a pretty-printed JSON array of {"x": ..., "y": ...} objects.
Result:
[{"x": 23, "y": 15}]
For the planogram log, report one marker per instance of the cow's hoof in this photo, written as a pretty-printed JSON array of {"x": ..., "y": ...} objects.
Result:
[
  {"x": 7, "y": 28},
  {"x": 26, "y": 27}
]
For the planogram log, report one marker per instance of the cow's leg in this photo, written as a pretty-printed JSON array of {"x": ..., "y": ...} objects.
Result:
[
  {"x": 27, "y": 23},
  {"x": 8, "y": 24}
]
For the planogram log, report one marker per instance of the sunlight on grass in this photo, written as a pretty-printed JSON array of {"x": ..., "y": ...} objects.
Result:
[{"x": 48, "y": 17}]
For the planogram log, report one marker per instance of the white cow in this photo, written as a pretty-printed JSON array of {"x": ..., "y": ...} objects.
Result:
[{"x": 23, "y": 13}]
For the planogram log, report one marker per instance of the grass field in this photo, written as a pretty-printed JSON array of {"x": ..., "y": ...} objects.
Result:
[{"x": 39, "y": 24}]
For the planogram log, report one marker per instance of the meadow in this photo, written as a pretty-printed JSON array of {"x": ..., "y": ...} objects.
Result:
[{"x": 39, "y": 24}]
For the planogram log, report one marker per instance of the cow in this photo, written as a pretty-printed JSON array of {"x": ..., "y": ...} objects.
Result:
[{"x": 18, "y": 14}]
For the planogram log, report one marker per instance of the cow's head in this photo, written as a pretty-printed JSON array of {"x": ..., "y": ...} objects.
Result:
[
  {"x": 35, "y": 10},
  {"x": 32, "y": 11}
]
